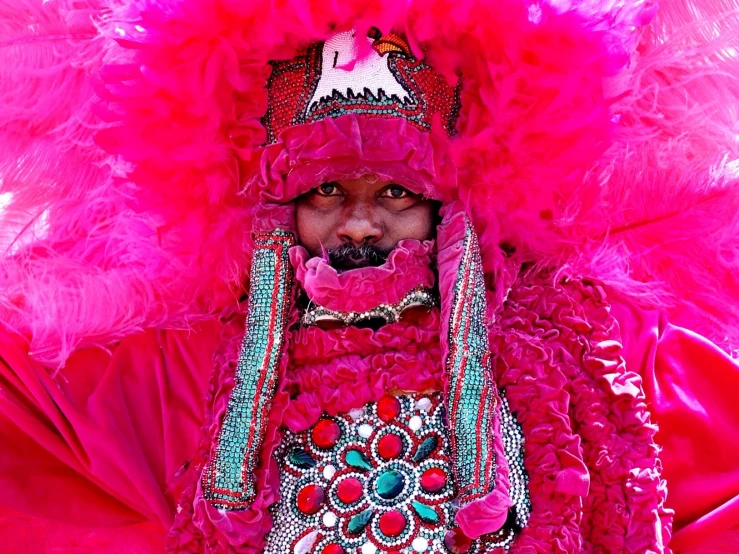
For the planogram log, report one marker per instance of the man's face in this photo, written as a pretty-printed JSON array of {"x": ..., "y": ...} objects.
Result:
[{"x": 359, "y": 221}]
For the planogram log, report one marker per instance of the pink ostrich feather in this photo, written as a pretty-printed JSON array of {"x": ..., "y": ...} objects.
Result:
[{"x": 588, "y": 135}]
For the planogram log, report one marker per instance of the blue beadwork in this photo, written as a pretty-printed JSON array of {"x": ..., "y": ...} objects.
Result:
[
  {"x": 228, "y": 481},
  {"x": 471, "y": 397}
]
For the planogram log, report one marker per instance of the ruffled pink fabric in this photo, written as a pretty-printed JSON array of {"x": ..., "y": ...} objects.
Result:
[
  {"x": 594, "y": 473},
  {"x": 348, "y": 147},
  {"x": 336, "y": 371},
  {"x": 408, "y": 266}
]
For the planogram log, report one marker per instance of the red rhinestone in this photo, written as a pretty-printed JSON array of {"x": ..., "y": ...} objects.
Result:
[
  {"x": 326, "y": 433},
  {"x": 456, "y": 541},
  {"x": 433, "y": 479},
  {"x": 390, "y": 446},
  {"x": 392, "y": 523},
  {"x": 388, "y": 408},
  {"x": 310, "y": 499},
  {"x": 349, "y": 490},
  {"x": 332, "y": 548}
]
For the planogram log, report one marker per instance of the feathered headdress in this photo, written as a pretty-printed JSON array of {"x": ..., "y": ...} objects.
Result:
[{"x": 591, "y": 133}]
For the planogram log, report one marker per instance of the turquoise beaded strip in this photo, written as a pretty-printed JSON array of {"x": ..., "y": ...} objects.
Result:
[
  {"x": 471, "y": 394},
  {"x": 228, "y": 481}
]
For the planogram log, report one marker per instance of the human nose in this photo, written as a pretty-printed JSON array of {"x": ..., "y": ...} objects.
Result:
[{"x": 360, "y": 225}]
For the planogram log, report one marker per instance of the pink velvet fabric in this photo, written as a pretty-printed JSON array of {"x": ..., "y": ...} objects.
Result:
[
  {"x": 408, "y": 266},
  {"x": 348, "y": 147}
]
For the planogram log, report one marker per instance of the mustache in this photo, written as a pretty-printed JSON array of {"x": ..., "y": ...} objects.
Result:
[{"x": 348, "y": 256}]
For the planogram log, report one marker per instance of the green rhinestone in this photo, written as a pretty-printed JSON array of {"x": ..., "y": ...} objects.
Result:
[
  {"x": 425, "y": 449},
  {"x": 358, "y": 460},
  {"x": 300, "y": 458},
  {"x": 425, "y": 513},
  {"x": 390, "y": 484},
  {"x": 357, "y": 523}
]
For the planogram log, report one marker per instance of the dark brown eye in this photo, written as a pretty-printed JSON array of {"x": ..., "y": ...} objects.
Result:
[
  {"x": 395, "y": 191},
  {"x": 327, "y": 189}
]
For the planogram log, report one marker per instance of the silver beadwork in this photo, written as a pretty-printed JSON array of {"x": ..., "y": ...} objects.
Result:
[{"x": 391, "y": 313}]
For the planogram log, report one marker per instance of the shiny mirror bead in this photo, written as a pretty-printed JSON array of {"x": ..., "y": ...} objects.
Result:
[
  {"x": 392, "y": 523},
  {"x": 326, "y": 434},
  {"x": 349, "y": 490},
  {"x": 433, "y": 479},
  {"x": 388, "y": 408},
  {"x": 310, "y": 499},
  {"x": 390, "y": 446}
]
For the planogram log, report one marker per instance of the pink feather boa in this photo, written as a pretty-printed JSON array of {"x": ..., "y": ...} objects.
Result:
[{"x": 131, "y": 129}]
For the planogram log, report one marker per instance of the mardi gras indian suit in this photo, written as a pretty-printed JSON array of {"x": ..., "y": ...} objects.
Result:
[{"x": 552, "y": 372}]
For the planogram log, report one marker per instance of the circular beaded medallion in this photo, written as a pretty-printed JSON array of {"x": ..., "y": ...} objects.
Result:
[{"x": 374, "y": 481}]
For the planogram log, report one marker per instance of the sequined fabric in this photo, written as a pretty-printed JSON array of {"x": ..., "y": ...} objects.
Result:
[{"x": 471, "y": 394}]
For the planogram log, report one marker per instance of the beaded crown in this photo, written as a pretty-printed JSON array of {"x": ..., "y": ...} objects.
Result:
[{"x": 333, "y": 78}]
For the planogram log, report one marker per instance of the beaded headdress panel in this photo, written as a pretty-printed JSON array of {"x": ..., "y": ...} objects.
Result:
[{"x": 334, "y": 78}]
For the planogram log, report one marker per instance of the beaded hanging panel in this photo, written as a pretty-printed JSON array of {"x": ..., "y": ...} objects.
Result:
[
  {"x": 228, "y": 480},
  {"x": 471, "y": 393}
]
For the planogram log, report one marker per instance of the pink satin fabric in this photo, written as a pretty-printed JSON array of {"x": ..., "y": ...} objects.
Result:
[
  {"x": 90, "y": 458},
  {"x": 693, "y": 391}
]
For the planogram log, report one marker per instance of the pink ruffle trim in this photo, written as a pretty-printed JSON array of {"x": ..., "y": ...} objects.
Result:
[
  {"x": 348, "y": 147},
  {"x": 594, "y": 475},
  {"x": 407, "y": 266},
  {"x": 336, "y": 371}
]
